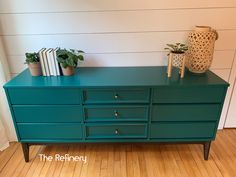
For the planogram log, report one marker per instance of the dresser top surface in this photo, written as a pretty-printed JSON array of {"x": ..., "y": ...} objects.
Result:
[{"x": 117, "y": 77}]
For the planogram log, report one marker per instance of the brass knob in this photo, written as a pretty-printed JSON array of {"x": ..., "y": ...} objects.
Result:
[
  {"x": 116, "y": 132},
  {"x": 116, "y": 114},
  {"x": 116, "y": 96}
]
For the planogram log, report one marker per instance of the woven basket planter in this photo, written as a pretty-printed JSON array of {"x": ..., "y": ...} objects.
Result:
[
  {"x": 176, "y": 60},
  {"x": 201, "y": 44}
]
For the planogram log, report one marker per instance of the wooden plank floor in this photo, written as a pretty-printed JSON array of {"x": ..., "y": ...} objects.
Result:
[{"x": 121, "y": 160}]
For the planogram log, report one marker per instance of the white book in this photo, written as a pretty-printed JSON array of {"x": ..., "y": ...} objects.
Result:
[
  {"x": 52, "y": 62},
  {"x": 46, "y": 62},
  {"x": 55, "y": 61},
  {"x": 42, "y": 61}
]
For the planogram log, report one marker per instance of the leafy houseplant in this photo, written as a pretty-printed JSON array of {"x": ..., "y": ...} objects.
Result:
[
  {"x": 176, "y": 48},
  {"x": 32, "y": 59},
  {"x": 68, "y": 60}
]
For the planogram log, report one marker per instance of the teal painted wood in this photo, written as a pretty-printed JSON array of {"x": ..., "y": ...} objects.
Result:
[
  {"x": 47, "y": 113},
  {"x": 221, "y": 108},
  {"x": 118, "y": 77},
  {"x": 116, "y": 140},
  {"x": 183, "y": 130},
  {"x": 116, "y": 113},
  {"x": 56, "y": 131},
  {"x": 138, "y": 95},
  {"x": 12, "y": 114},
  {"x": 188, "y": 95},
  {"x": 186, "y": 112},
  {"x": 104, "y": 131},
  {"x": 133, "y": 86},
  {"x": 44, "y": 95}
]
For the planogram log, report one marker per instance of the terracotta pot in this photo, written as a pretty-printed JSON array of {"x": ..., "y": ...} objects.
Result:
[
  {"x": 68, "y": 71},
  {"x": 35, "y": 69}
]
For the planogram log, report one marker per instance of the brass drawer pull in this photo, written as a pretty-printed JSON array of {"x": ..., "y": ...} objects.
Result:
[
  {"x": 116, "y": 96},
  {"x": 116, "y": 114},
  {"x": 117, "y": 132}
]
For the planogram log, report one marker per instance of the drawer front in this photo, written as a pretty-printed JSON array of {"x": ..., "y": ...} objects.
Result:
[
  {"x": 116, "y": 96},
  {"x": 186, "y": 112},
  {"x": 44, "y": 96},
  {"x": 183, "y": 130},
  {"x": 52, "y": 131},
  {"x": 116, "y": 113},
  {"x": 188, "y": 95},
  {"x": 47, "y": 113},
  {"x": 116, "y": 131}
]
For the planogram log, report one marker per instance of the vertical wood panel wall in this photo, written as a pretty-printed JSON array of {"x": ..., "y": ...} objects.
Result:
[{"x": 116, "y": 33}]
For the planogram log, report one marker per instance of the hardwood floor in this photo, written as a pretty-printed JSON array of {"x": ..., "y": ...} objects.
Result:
[{"x": 120, "y": 160}]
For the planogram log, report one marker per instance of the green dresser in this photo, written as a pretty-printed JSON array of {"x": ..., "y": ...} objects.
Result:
[{"x": 116, "y": 104}]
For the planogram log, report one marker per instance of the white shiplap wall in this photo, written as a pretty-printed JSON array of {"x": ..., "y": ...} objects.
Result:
[
  {"x": 231, "y": 118},
  {"x": 116, "y": 33}
]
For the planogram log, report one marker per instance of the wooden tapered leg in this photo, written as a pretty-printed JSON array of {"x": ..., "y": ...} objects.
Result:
[
  {"x": 169, "y": 68},
  {"x": 206, "y": 148},
  {"x": 25, "y": 148},
  {"x": 182, "y": 68}
]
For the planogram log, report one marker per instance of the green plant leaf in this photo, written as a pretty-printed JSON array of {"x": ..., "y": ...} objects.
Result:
[
  {"x": 81, "y": 57},
  {"x": 69, "y": 57},
  {"x": 32, "y": 57},
  {"x": 177, "y": 48}
]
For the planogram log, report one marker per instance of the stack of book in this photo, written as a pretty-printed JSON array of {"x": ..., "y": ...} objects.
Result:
[{"x": 48, "y": 60}]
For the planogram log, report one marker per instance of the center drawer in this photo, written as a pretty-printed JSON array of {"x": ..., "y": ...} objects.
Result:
[
  {"x": 116, "y": 131},
  {"x": 115, "y": 113},
  {"x": 138, "y": 95}
]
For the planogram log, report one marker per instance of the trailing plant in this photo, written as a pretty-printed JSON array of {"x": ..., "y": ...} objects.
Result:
[
  {"x": 176, "y": 48},
  {"x": 31, "y": 58},
  {"x": 69, "y": 57}
]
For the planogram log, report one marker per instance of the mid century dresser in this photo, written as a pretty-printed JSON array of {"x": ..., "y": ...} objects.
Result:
[{"x": 116, "y": 104}]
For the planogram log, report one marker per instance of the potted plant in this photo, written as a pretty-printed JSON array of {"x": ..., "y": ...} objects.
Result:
[
  {"x": 68, "y": 60},
  {"x": 176, "y": 57},
  {"x": 177, "y": 48},
  {"x": 32, "y": 59}
]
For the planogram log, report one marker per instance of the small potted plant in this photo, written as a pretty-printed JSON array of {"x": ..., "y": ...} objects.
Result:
[
  {"x": 176, "y": 57},
  {"x": 68, "y": 60},
  {"x": 32, "y": 59},
  {"x": 177, "y": 48}
]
